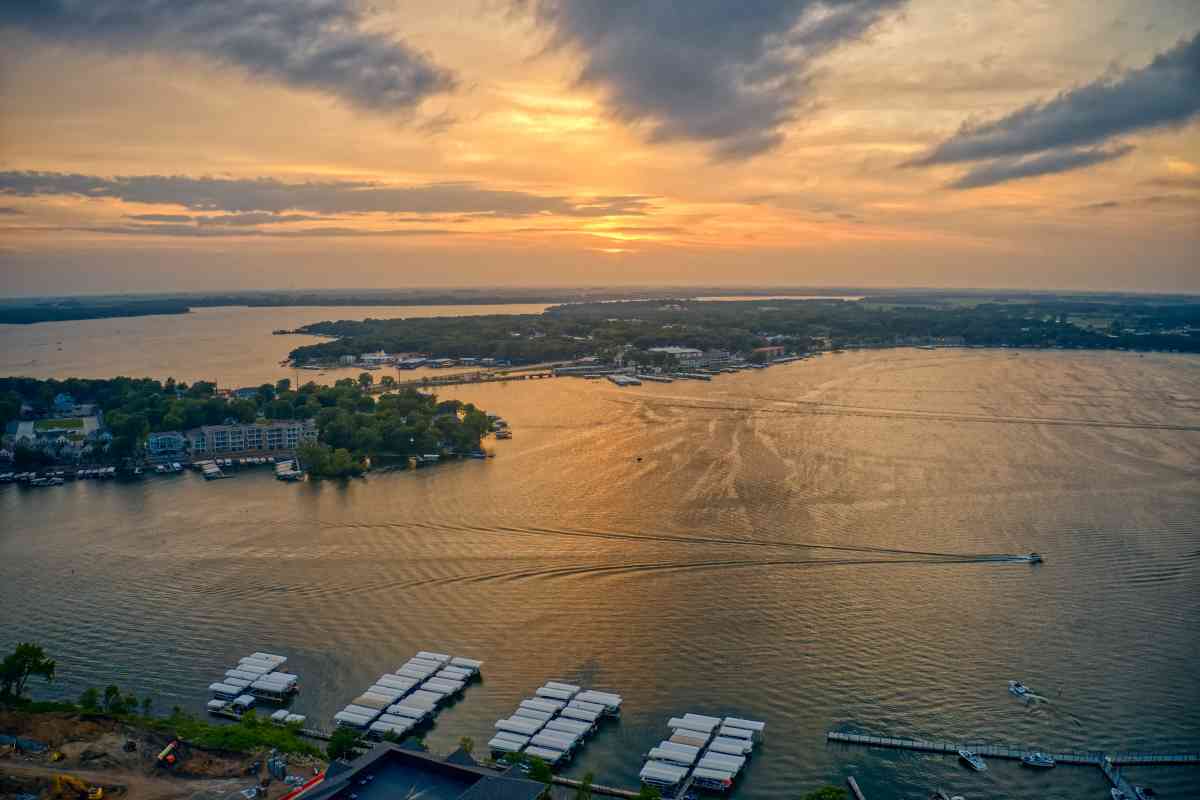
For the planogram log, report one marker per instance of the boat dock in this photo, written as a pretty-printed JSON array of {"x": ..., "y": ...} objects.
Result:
[
  {"x": 1108, "y": 763},
  {"x": 460, "y": 378}
]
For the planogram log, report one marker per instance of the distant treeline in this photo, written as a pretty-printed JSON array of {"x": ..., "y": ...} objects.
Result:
[
  {"x": 601, "y": 328},
  {"x": 62, "y": 311}
]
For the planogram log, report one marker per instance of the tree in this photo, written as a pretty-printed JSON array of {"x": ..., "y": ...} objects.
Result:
[
  {"x": 827, "y": 793},
  {"x": 342, "y": 744},
  {"x": 27, "y": 661},
  {"x": 649, "y": 793},
  {"x": 365, "y": 379},
  {"x": 539, "y": 770},
  {"x": 387, "y": 381},
  {"x": 283, "y": 385},
  {"x": 467, "y": 744},
  {"x": 112, "y": 699},
  {"x": 147, "y": 702},
  {"x": 584, "y": 792},
  {"x": 90, "y": 699}
]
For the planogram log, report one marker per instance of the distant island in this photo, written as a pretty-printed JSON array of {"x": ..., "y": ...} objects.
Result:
[
  {"x": 611, "y": 329},
  {"x": 26, "y": 311}
]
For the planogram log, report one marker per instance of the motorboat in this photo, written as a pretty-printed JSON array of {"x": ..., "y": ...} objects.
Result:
[
  {"x": 1117, "y": 794},
  {"x": 1019, "y": 689},
  {"x": 973, "y": 761},
  {"x": 1038, "y": 760},
  {"x": 1035, "y": 558}
]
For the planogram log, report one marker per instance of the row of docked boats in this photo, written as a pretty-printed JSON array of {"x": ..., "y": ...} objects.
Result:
[
  {"x": 400, "y": 701},
  {"x": 58, "y": 477},
  {"x": 258, "y": 676},
  {"x": 554, "y": 723},
  {"x": 702, "y": 751}
]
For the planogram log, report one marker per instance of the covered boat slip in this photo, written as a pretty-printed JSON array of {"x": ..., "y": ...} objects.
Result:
[
  {"x": 547, "y": 754},
  {"x": 554, "y": 722},
  {"x": 610, "y": 701},
  {"x": 708, "y": 761},
  {"x": 679, "y": 757},
  {"x": 503, "y": 746},
  {"x": 255, "y": 675},
  {"x": 412, "y": 694},
  {"x": 662, "y": 775},
  {"x": 520, "y": 725},
  {"x": 569, "y": 726}
]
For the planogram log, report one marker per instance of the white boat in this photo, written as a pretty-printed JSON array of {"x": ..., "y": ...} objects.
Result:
[
  {"x": 1019, "y": 689},
  {"x": 1038, "y": 760},
  {"x": 972, "y": 760}
]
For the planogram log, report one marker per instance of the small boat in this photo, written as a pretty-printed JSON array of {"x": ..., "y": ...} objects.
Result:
[
  {"x": 1117, "y": 794},
  {"x": 1035, "y": 558},
  {"x": 1038, "y": 760},
  {"x": 938, "y": 794},
  {"x": 1144, "y": 793},
  {"x": 1019, "y": 689},
  {"x": 973, "y": 761}
]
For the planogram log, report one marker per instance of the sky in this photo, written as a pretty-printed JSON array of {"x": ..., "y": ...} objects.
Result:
[{"x": 162, "y": 145}]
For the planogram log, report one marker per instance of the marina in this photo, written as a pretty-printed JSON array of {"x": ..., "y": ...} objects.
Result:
[
  {"x": 401, "y": 701},
  {"x": 704, "y": 752},
  {"x": 258, "y": 676},
  {"x": 554, "y": 723},
  {"x": 1108, "y": 763}
]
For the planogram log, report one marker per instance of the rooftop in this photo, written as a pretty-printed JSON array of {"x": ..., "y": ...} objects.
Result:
[{"x": 389, "y": 772}]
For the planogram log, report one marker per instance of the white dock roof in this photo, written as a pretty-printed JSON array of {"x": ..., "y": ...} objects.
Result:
[
  {"x": 505, "y": 745},
  {"x": 671, "y": 756},
  {"x": 521, "y": 725},
  {"x": 698, "y": 722},
  {"x": 412, "y": 712},
  {"x": 568, "y": 726},
  {"x": 554, "y": 694},
  {"x": 530, "y": 713},
  {"x": 579, "y": 713},
  {"x": 723, "y": 762},
  {"x": 466, "y": 663},
  {"x": 595, "y": 708},
  {"x": 662, "y": 774},
  {"x": 545, "y": 754},
  {"x": 513, "y": 737},
  {"x": 362, "y": 711},
  {"x": 440, "y": 658},
  {"x": 542, "y": 704},
  {"x": 443, "y": 686},
  {"x": 747, "y": 724},
  {"x": 556, "y": 740},
  {"x": 566, "y": 687},
  {"x": 730, "y": 746},
  {"x": 735, "y": 733}
]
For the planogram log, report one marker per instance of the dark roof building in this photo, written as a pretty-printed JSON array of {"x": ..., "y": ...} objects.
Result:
[{"x": 390, "y": 772}]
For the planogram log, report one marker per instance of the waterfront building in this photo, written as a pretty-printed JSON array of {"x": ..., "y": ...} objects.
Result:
[
  {"x": 393, "y": 771},
  {"x": 166, "y": 444},
  {"x": 64, "y": 404},
  {"x": 771, "y": 351},
  {"x": 377, "y": 359},
  {"x": 276, "y": 435},
  {"x": 685, "y": 356},
  {"x": 245, "y": 393},
  {"x": 346, "y": 361}
]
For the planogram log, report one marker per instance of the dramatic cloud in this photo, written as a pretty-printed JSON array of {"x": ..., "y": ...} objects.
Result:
[
  {"x": 727, "y": 73},
  {"x": 241, "y": 196},
  {"x": 1009, "y": 169},
  {"x": 309, "y": 44},
  {"x": 204, "y": 232},
  {"x": 251, "y": 218},
  {"x": 1164, "y": 93}
]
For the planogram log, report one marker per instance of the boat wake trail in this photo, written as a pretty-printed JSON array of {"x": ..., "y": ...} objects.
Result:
[{"x": 732, "y": 542}]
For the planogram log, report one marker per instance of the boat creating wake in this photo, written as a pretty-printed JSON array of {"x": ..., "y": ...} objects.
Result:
[{"x": 884, "y": 555}]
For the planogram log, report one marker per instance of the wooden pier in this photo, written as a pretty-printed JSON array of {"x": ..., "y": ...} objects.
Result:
[
  {"x": 461, "y": 378},
  {"x": 1108, "y": 763}
]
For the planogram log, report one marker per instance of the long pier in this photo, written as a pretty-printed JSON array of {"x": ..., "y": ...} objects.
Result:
[
  {"x": 460, "y": 378},
  {"x": 1106, "y": 762}
]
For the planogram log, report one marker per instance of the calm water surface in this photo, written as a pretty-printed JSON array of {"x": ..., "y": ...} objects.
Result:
[
  {"x": 231, "y": 345},
  {"x": 790, "y": 545}
]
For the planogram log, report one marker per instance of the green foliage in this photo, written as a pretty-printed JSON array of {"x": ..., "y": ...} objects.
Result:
[
  {"x": 467, "y": 744},
  {"x": 827, "y": 793},
  {"x": 247, "y": 735},
  {"x": 26, "y": 661},
  {"x": 584, "y": 792},
  {"x": 539, "y": 770},
  {"x": 89, "y": 700},
  {"x": 342, "y": 744},
  {"x": 649, "y": 793}
]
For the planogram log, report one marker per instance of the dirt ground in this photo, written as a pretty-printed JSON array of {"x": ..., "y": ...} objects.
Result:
[{"x": 123, "y": 760}]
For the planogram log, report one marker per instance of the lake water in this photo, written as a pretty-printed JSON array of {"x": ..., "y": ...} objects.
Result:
[
  {"x": 231, "y": 345},
  {"x": 794, "y": 545}
]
